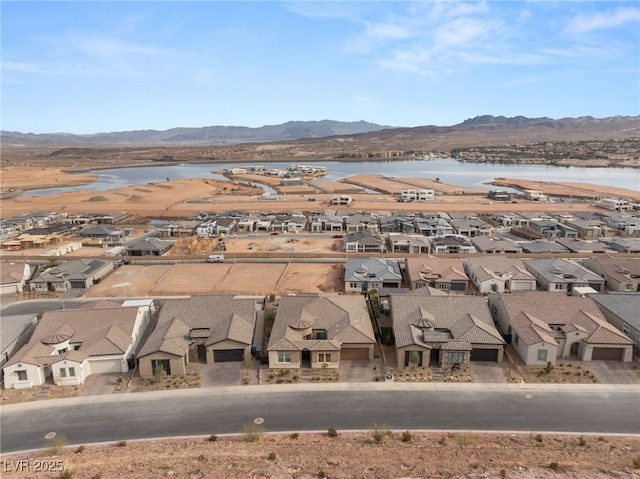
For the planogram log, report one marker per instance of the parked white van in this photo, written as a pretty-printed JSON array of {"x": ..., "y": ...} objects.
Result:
[{"x": 215, "y": 258}]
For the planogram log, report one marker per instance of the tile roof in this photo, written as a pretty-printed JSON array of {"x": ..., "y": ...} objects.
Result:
[
  {"x": 432, "y": 269},
  {"x": 344, "y": 317},
  {"x": 227, "y": 318},
  {"x": 626, "y": 306},
  {"x": 98, "y": 332},
  {"x": 466, "y": 317},
  {"x": 495, "y": 267},
  {"x": 381, "y": 268},
  {"x": 78, "y": 269},
  {"x": 554, "y": 269},
  {"x": 550, "y": 308},
  {"x": 11, "y": 273}
]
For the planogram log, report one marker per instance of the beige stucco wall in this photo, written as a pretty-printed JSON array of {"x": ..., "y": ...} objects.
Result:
[
  {"x": 400, "y": 354},
  {"x": 176, "y": 363},
  {"x": 296, "y": 359},
  {"x": 335, "y": 359}
]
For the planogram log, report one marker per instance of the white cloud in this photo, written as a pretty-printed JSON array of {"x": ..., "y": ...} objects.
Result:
[{"x": 586, "y": 23}]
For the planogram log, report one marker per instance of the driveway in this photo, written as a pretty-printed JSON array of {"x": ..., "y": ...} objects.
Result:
[
  {"x": 487, "y": 372},
  {"x": 609, "y": 372},
  {"x": 356, "y": 371},
  {"x": 102, "y": 384}
]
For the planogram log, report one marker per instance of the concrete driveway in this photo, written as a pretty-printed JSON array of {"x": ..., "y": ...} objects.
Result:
[
  {"x": 487, "y": 372},
  {"x": 609, "y": 372}
]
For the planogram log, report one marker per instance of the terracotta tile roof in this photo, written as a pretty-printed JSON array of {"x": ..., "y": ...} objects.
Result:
[
  {"x": 465, "y": 317},
  {"x": 344, "y": 317},
  {"x": 97, "y": 332},
  {"x": 226, "y": 317},
  {"x": 571, "y": 313}
]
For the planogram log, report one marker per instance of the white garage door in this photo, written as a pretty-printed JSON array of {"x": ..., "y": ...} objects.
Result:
[{"x": 105, "y": 366}]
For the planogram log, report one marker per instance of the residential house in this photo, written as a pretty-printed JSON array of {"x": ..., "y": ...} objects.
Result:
[
  {"x": 615, "y": 204},
  {"x": 15, "y": 331},
  {"x": 534, "y": 195},
  {"x": 445, "y": 274},
  {"x": 509, "y": 219},
  {"x": 433, "y": 226},
  {"x": 418, "y": 195},
  {"x": 13, "y": 277},
  {"x": 364, "y": 274},
  {"x": 398, "y": 223},
  {"x": 214, "y": 329},
  {"x": 489, "y": 245},
  {"x": 327, "y": 221},
  {"x": 77, "y": 273},
  {"x": 366, "y": 241},
  {"x": 543, "y": 326},
  {"x": 621, "y": 310},
  {"x": 592, "y": 228},
  {"x": 361, "y": 222},
  {"x": 562, "y": 275},
  {"x": 314, "y": 331},
  {"x": 553, "y": 229},
  {"x": 178, "y": 229},
  {"x": 620, "y": 274},
  {"x": 341, "y": 200},
  {"x": 106, "y": 233},
  {"x": 624, "y": 245},
  {"x": 470, "y": 226},
  {"x": 409, "y": 244},
  {"x": 70, "y": 345},
  {"x": 498, "y": 274},
  {"x": 149, "y": 247},
  {"x": 444, "y": 331},
  {"x": 451, "y": 244},
  {"x": 542, "y": 246},
  {"x": 629, "y": 224},
  {"x": 582, "y": 246}
]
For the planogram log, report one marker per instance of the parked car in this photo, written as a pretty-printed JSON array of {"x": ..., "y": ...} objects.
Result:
[
  {"x": 311, "y": 199},
  {"x": 337, "y": 236},
  {"x": 274, "y": 233},
  {"x": 215, "y": 258}
]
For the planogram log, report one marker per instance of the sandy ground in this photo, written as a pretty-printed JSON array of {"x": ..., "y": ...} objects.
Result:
[
  {"x": 568, "y": 189},
  {"x": 215, "y": 278},
  {"x": 348, "y": 456},
  {"x": 181, "y": 198}
]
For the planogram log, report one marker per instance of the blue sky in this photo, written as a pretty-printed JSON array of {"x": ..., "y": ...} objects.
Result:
[{"x": 89, "y": 67}]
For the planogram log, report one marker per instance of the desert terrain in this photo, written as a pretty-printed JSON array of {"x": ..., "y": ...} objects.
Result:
[{"x": 377, "y": 453}]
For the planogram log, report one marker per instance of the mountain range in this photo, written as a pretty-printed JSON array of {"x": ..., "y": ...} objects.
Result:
[{"x": 477, "y": 130}]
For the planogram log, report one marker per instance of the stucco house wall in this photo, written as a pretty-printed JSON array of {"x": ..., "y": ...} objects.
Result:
[
  {"x": 296, "y": 360},
  {"x": 178, "y": 364}
]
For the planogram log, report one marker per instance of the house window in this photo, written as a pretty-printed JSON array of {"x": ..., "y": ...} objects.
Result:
[
  {"x": 63, "y": 372},
  {"x": 321, "y": 334},
  {"x": 76, "y": 346},
  {"x": 63, "y": 350},
  {"x": 324, "y": 357},
  {"x": 625, "y": 328},
  {"x": 22, "y": 375},
  {"x": 629, "y": 287},
  {"x": 284, "y": 357},
  {"x": 542, "y": 355},
  {"x": 72, "y": 372},
  {"x": 558, "y": 286},
  {"x": 353, "y": 285},
  {"x": 456, "y": 357}
]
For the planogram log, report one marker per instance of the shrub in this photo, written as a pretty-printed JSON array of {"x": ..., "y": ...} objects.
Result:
[
  {"x": 56, "y": 444},
  {"x": 322, "y": 474},
  {"x": 464, "y": 440},
  {"x": 582, "y": 441},
  {"x": 272, "y": 456},
  {"x": 295, "y": 435},
  {"x": 379, "y": 432},
  {"x": 407, "y": 436},
  {"x": 212, "y": 438},
  {"x": 636, "y": 463},
  {"x": 97, "y": 476},
  {"x": 538, "y": 437},
  {"x": 548, "y": 368},
  {"x": 65, "y": 475},
  {"x": 503, "y": 473},
  {"x": 80, "y": 449},
  {"x": 252, "y": 432},
  {"x": 554, "y": 465},
  {"x": 121, "y": 443},
  {"x": 442, "y": 440},
  {"x": 332, "y": 432}
]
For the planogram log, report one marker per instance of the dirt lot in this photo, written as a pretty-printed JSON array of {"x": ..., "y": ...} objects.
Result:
[
  {"x": 377, "y": 453},
  {"x": 206, "y": 278}
]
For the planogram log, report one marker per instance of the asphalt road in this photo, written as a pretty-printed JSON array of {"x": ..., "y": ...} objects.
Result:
[{"x": 581, "y": 409}]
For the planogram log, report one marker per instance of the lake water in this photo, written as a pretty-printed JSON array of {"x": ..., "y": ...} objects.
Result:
[{"x": 447, "y": 170}]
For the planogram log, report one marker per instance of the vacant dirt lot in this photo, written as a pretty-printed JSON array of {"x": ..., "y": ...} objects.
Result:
[
  {"x": 214, "y": 278},
  {"x": 355, "y": 455}
]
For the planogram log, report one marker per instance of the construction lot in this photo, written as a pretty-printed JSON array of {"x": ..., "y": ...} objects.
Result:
[{"x": 215, "y": 278}]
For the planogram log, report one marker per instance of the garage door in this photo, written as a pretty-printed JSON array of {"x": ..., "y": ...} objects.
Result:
[
  {"x": 226, "y": 355},
  {"x": 484, "y": 355},
  {"x": 607, "y": 354},
  {"x": 109, "y": 366},
  {"x": 354, "y": 354}
]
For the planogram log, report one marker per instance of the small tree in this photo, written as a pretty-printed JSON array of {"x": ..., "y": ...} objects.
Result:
[
  {"x": 414, "y": 359},
  {"x": 379, "y": 432}
]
